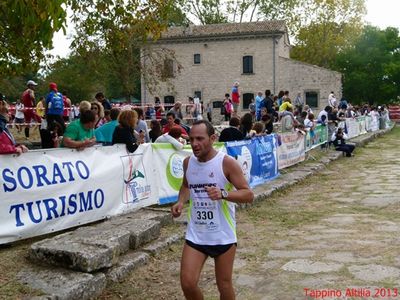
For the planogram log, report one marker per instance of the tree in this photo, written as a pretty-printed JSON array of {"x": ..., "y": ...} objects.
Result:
[
  {"x": 26, "y": 31},
  {"x": 119, "y": 29},
  {"x": 332, "y": 27},
  {"x": 371, "y": 67}
]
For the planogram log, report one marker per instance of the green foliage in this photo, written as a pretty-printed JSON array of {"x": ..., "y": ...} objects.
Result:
[
  {"x": 26, "y": 31},
  {"x": 371, "y": 67},
  {"x": 331, "y": 27}
]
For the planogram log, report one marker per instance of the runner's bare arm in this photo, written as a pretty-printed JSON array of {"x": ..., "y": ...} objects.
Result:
[{"x": 184, "y": 193}]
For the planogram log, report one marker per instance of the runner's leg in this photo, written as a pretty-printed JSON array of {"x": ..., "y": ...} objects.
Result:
[
  {"x": 223, "y": 273},
  {"x": 191, "y": 264}
]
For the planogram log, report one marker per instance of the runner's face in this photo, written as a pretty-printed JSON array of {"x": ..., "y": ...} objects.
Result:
[
  {"x": 200, "y": 141},
  {"x": 170, "y": 120}
]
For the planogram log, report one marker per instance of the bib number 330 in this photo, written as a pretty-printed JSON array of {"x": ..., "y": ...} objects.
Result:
[{"x": 204, "y": 215}]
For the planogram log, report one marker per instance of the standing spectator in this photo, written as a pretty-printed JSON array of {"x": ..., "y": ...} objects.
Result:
[
  {"x": 280, "y": 98},
  {"x": 28, "y": 99},
  {"x": 19, "y": 115},
  {"x": 252, "y": 109},
  {"x": 150, "y": 112},
  {"x": 332, "y": 102},
  {"x": 41, "y": 108},
  {"x": 309, "y": 121},
  {"x": 267, "y": 120},
  {"x": 323, "y": 115},
  {"x": 80, "y": 133},
  {"x": 159, "y": 108},
  {"x": 246, "y": 124},
  {"x": 141, "y": 126},
  {"x": 209, "y": 112},
  {"x": 298, "y": 103},
  {"x": 101, "y": 99},
  {"x": 7, "y": 141},
  {"x": 54, "y": 107},
  {"x": 155, "y": 131},
  {"x": 105, "y": 133},
  {"x": 177, "y": 110},
  {"x": 98, "y": 110},
  {"x": 124, "y": 132},
  {"x": 259, "y": 101},
  {"x": 302, "y": 117},
  {"x": 235, "y": 96},
  {"x": 67, "y": 106},
  {"x": 228, "y": 107},
  {"x": 269, "y": 103}
]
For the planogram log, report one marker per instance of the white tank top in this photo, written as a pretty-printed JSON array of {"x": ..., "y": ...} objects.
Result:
[{"x": 210, "y": 222}]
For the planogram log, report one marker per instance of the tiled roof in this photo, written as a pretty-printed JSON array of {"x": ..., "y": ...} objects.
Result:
[{"x": 224, "y": 29}]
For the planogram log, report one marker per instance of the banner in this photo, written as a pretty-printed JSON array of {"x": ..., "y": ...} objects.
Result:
[
  {"x": 316, "y": 137},
  {"x": 352, "y": 127},
  {"x": 257, "y": 158},
  {"x": 43, "y": 192},
  {"x": 362, "y": 125},
  {"x": 291, "y": 149}
]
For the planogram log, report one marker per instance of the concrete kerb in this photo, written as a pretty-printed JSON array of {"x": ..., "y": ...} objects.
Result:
[{"x": 133, "y": 259}]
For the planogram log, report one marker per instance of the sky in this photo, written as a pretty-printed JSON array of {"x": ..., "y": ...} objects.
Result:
[{"x": 380, "y": 13}]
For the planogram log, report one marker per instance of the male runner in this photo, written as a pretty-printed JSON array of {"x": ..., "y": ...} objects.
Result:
[{"x": 213, "y": 182}]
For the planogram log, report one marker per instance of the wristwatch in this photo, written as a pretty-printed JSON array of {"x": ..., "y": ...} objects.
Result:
[{"x": 224, "y": 194}]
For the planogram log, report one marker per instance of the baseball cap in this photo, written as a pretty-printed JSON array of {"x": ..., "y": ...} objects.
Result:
[
  {"x": 53, "y": 86},
  {"x": 31, "y": 82}
]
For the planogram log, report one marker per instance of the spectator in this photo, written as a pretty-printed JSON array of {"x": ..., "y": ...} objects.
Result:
[
  {"x": 298, "y": 103},
  {"x": 142, "y": 125},
  {"x": 252, "y": 109},
  {"x": 155, "y": 131},
  {"x": 227, "y": 107},
  {"x": 7, "y": 141},
  {"x": 54, "y": 108},
  {"x": 259, "y": 128},
  {"x": 80, "y": 133},
  {"x": 268, "y": 103},
  {"x": 235, "y": 96},
  {"x": 338, "y": 139},
  {"x": 266, "y": 119},
  {"x": 323, "y": 115},
  {"x": 84, "y": 105},
  {"x": 105, "y": 133},
  {"x": 280, "y": 98},
  {"x": 177, "y": 110},
  {"x": 124, "y": 132},
  {"x": 98, "y": 110},
  {"x": 19, "y": 115},
  {"x": 41, "y": 108},
  {"x": 209, "y": 112},
  {"x": 332, "y": 102},
  {"x": 309, "y": 122},
  {"x": 288, "y": 122},
  {"x": 173, "y": 137},
  {"x": 159, "y": 108},
  {"x": 259, "y": 102},
  {"x": 302, "y": 117},
  {"x": 101, "y": 99},
  {"x": 67, "y": 106},
  {"x": 171, "y": 123},
  {"x": 232, "y": 133},
  {"x": 28, "y": 99},
  {"x": 150, "y": 112},
  {"x": 246, "y": 124}
]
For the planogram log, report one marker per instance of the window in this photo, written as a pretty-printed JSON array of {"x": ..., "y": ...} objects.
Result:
[
  {"x": 247, "y": 64},
  {"x": 168, "y": 70},
  {"x": 169, "y": 102},
  {"x": 247, "y": 100},
  {"x": 197, "y": 94},
  {"x": 218, "y": 104},
  {"x": 312, "y": 99},
  {"x": 197, "y": 59}
]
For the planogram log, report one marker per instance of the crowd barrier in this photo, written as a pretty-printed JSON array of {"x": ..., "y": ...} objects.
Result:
[{"x": 44, "y": 191}]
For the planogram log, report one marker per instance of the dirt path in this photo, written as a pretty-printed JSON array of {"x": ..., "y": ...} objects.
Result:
[{"x": 336, "y": 233}]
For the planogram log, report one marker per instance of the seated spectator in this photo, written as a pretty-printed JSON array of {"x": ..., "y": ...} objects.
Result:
[
  {"x": 141, "y": 126},
  {"x": 232, "y": 133},
  {"x": 7, "y": 141},
  {"x": 268, "y": 123},
  {"x": 155, "y": 130},
  {"x": 124, "y": 132},
  {"x": 258, "y": 127},
  {"x": 338, "y": 140},
  {"x": 105, "y": 133},
  {"x": 173, "y": 137},
  {"x": 80, "y": 133},
  {"x": 246, "y": 124},
  {"x": 171, "y": 123}
]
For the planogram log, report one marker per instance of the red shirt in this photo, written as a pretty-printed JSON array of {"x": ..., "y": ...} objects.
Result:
[
  {"x": 28, "y": 98},
  {"x": 167, "y": 128}
]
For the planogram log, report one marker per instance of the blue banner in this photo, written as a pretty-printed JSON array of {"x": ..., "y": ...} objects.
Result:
[{"x": 257, "y": 158}]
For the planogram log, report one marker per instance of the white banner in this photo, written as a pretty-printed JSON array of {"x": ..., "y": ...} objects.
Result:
[
  {"x": 291, "y": 149},
  {"x": 48, "y": 191},
  {"x": 353, "y": 128}
]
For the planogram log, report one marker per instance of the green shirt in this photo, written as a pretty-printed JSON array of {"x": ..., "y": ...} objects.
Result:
[{"x": 76, "y": 132}]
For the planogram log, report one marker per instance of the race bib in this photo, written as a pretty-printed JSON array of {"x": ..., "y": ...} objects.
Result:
[{"x": 206, "y": 216}]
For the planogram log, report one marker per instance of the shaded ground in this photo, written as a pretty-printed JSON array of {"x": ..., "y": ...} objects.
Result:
[{"x": 335, "y": 232}]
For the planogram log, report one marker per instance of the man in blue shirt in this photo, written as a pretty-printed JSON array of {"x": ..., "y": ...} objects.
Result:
[{"x": 54, "y": 108}]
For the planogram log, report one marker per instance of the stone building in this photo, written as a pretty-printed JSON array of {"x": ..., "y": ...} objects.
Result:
[{"x": 210, "y": 58}]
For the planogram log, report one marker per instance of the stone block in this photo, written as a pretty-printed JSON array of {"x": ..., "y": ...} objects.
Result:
[
  {"x": 63, "y": 284},
  {"x": 156, "y": 247},
  {"x": 126, "y": 264},
  {"x": 92, "y": 248}
]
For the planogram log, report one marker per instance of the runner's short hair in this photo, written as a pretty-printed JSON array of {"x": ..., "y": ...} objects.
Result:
[{"x": 210, "y": 128}]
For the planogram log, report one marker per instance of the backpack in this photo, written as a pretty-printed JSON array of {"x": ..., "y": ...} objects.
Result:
[
  {"x": 56, "y": 104},
  {"x": 223, "y": 110}
]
